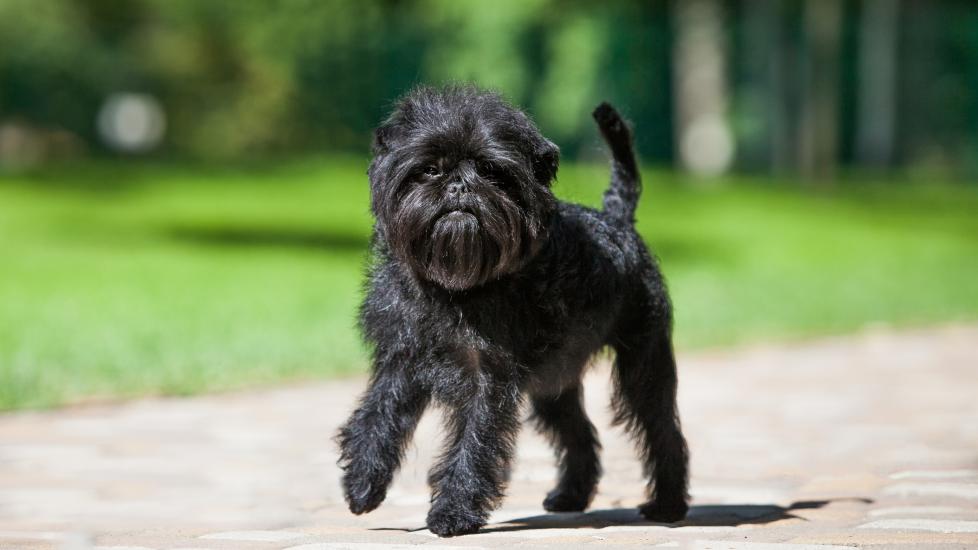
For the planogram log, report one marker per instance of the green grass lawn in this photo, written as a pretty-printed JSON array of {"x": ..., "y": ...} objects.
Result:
[{"x": 131, "y": 280}]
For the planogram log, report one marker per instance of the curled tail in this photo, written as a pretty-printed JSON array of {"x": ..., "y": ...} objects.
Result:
[{"x": 621, "y": 198}]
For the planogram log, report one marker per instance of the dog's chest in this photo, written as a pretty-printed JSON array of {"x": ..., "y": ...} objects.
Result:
[
  {"x": 546, "y": 344},
  {"x": 514, "y": 324}
]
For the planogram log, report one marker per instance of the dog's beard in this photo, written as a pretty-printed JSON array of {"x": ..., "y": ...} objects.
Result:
[
  {"x": 462, "y": 243},
  {"x": 458, "y": 254}
]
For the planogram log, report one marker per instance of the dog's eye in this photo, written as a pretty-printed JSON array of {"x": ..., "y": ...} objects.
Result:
[
  {"x": 431, "y": 170},
  {"x": 484, "y": 168}
]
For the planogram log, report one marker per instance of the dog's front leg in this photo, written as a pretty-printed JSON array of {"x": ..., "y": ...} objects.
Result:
[
  {"x": 373, "y": 440},
  {"x": 468, "y": 481}
]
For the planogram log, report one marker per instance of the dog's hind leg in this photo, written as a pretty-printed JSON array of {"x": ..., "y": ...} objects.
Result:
[
  {"x": 563, "y": 420},
  {"x": 645, "y": 403}
]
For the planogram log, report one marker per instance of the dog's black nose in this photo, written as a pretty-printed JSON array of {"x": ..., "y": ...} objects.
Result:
[{"x": 457, "y": 188}]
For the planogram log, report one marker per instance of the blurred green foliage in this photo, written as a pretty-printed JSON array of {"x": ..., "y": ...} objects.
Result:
[
  {"x": 123, "y": 280},
  {"x": 239, "y": 78}
]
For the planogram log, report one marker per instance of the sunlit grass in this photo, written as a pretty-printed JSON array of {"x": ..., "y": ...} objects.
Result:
[{"x": 121, "y": 281}]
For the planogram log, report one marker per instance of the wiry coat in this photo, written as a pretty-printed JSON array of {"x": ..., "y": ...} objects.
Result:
[{"x": 485, "y": 291}]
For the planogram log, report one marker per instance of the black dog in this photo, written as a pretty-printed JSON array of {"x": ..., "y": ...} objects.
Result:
[{"x": 484, "y": 289}]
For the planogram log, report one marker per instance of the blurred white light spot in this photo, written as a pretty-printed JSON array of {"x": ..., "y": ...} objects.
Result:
[
  {"x": 707, "y": 148},
  {"x": 130, "y": 122}
]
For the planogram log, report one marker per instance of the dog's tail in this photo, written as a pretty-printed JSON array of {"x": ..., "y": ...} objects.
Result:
[{"x": 621, "y": 198}]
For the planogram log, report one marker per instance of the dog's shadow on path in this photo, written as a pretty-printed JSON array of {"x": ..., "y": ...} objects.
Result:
[{"x": 702, "y": 515}]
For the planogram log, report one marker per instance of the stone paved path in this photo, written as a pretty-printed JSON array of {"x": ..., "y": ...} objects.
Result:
[{"x": 857, "y": 441}]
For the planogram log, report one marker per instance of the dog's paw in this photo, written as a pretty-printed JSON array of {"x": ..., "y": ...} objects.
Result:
[
  {"x": 363, "y": 494},
  {"x": 662, "y": 512},
  {"x": 560, "y": 500},
  {"x": 447, "y": 521}
]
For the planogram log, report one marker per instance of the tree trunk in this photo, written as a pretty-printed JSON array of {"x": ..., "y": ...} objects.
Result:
[
  {"x": 706, "y": 143},
  {"x": 820, "y": 101},
  {"x": 876, "y": 123},
  {"x": 758, "y": 94}
]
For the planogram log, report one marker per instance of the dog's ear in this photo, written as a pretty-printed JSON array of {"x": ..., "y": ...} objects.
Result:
[
  {"x": 382, "y": 136},
  {"x": 546, "y": 159},
  {"x": 378, "y": 148}
]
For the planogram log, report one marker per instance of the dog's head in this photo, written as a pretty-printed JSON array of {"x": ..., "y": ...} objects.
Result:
[{"x": 460, "y": 186}]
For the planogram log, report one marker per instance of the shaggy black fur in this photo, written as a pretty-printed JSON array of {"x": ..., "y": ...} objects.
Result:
[{"x": 486, "y": 290}]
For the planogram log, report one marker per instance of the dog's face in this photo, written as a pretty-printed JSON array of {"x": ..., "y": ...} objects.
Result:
[{"x": 460, "y": 186}]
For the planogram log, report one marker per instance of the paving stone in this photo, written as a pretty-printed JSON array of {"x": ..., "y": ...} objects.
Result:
[
  {"x": 936, "y": 474},
  {"x": 722, "y": 545},
  {"x": 955, "y": 490},
  {"x": 917, "y": 511},
  {"x": 936, "y": 525},
  {"x": 368, "y": 546},
  {"x": 892, "y": 539},
  {"x": 255, "y": 536}
]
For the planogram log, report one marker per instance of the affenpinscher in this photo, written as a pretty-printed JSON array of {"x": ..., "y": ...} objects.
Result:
[{"x": 484, "y": 288}]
